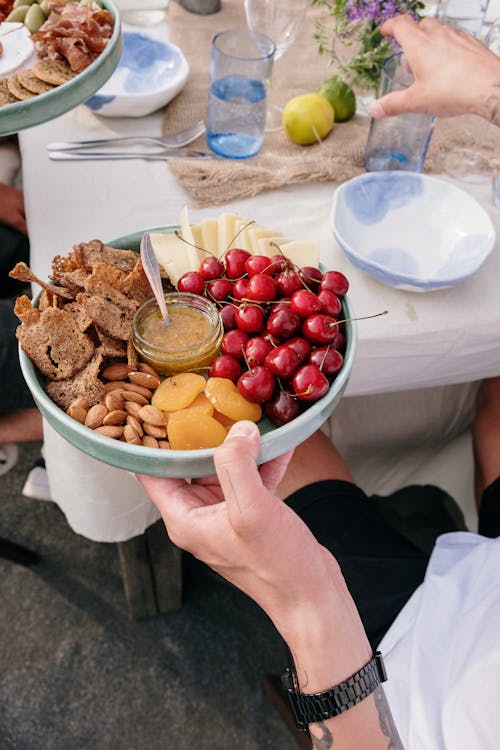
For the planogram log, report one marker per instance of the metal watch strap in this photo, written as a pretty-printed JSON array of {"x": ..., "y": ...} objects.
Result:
[{"x": 308, "y": 708}]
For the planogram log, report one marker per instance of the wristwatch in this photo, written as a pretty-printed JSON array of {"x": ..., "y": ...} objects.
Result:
[{"x": 309, "y": 708}]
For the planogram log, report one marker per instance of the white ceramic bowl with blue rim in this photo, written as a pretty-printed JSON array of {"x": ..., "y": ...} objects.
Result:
[
  {"x": 150, "y": 74},
  {"x": 411, "y": 231}
]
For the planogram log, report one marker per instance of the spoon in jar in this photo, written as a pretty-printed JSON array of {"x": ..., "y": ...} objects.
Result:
[{"x": 152, "y": 271}]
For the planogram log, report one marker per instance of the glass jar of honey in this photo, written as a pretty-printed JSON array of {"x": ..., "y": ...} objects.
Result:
[{"x": 190, "y": 343}]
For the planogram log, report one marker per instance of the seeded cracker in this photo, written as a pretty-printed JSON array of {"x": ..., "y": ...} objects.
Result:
[
  {"x": 17, "y": 89},
  {"x": 51, "y": 71},
  {"x": 6, "y": 96},
  {"x": 32, "y": 83}
]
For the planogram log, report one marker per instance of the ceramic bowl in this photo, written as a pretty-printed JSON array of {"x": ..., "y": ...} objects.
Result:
[
  {"x": 150, "y": 73},
  {"x": 47, "y": 106},
  {"x": 192, "y": 463},
  {"x": 411, "y": 231}
]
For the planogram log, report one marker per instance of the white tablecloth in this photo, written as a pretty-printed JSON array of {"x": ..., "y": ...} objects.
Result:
[{"x": 427, "y": 340}]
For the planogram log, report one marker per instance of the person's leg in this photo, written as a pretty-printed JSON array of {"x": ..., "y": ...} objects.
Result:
[
  {"x": 486, "y": 441},
  {"x": 21, "y": 426}
]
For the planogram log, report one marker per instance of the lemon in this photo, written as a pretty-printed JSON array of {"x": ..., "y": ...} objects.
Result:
[
  {"x": 340, "y": 96},
  {"x": 308, "y": 118}
]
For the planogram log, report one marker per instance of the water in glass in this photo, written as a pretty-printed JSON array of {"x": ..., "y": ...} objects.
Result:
[{"x": 241, "y": 102}]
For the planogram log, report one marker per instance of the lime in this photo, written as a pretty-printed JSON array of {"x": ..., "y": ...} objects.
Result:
[
  {"x": 308, "y": 118},
  {"x": 340, "y": 96}
]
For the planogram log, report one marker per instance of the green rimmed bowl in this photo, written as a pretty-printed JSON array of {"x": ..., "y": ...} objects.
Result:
[
  {"x": 194, "y": 463},
  {"x": 52, "y": 104}
]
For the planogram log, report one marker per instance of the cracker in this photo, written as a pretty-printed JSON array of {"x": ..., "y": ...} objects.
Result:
[
  {"x": 85, "y": 383},
  {"x": 17, "y": 89},
  {"x": 32, "y": 83},
  {"x": 6, "y": 96},
  {"x": 52, "y": 71}
]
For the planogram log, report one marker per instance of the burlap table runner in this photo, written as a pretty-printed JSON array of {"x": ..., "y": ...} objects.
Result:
[{"x": 281, "y": 162}]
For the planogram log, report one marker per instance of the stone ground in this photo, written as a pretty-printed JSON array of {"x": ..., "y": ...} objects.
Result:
[{"x": 77, "y": 673}]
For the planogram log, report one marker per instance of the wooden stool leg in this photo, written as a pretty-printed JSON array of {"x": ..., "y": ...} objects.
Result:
[{"x": 151, "y": 572}]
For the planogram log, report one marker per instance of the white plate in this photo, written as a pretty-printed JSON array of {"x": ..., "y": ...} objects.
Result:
[{"x": 18, "y": 49}]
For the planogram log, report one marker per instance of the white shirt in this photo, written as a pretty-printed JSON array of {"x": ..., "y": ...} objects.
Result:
[{"x": 442, "y": 652}]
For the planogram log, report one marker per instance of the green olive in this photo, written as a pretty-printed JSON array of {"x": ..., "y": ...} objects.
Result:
[
  {"x": 34, "y": 18},
  {"x": 18, "y": 14},
  {"x": 44, "y": 5},
  {"x": 18, "y": 3}
]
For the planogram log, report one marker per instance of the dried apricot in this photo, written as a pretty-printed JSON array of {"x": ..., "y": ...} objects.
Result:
[
  {"x": 178, "y": 391},
  {"x": 201, "y": 403},
  {"x": 193, "y": 430},
  {"x": 226, "y": 422},
  {"x": 227, "y": 399}
]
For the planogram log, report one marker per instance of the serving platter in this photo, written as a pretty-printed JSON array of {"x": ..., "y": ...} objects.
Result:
[
  {"x": 187, "y": 463},
  {"x": 51, "y": 104}
]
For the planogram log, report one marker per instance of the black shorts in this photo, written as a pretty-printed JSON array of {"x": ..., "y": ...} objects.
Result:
[{"x": 383, "y": 544}]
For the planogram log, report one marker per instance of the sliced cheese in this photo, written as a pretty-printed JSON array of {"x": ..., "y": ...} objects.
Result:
[
  {"x": 265, "y": 247},
  {"x": 187, "y": 233},
  {"x": 302, "y": 252},
  {"x": 198, "y": 241},
  {"x": 171, "y": 254},
  {"x": 241, "y": 231},
  {"x": 210, "y": 236},
  {"x": 256, "y": 233},
  {"x": 227, "y": 231}
]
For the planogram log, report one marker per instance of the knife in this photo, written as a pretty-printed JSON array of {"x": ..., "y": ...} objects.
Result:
[{"x": 181, "y": 153}]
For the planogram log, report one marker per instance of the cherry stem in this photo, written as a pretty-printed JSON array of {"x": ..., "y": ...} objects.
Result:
[
  {"x": 201, "y": 249},
  {"x": 363, "y": 317},
  {"x": 245, "y": 226}
]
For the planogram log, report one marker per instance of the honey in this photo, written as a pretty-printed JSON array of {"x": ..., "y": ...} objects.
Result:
[{"x": 190, "y": 343}]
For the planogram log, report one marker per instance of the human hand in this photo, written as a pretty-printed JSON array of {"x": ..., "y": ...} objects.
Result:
[
  {"x": 12, "y": 208},
  {"x": 235, "y": 523},
  {"x": 454, "y": 72}
]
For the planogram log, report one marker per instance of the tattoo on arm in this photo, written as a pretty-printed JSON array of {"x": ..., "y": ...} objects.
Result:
[
  {"x": 386, "y": 721},
  {"x": 324, "y": 741}
]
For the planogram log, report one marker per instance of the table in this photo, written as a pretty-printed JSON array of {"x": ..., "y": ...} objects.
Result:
[{"x": 440, "y": 341}]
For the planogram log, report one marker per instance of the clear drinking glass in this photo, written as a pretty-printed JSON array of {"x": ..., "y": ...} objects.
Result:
[
  {"x": 401, "y": 142},
  {"x": 282, "y": 20},
  {"x": 240, "y": 67}
]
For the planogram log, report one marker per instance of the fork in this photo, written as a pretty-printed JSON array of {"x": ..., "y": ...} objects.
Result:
[{"x": 177, "y": 140}]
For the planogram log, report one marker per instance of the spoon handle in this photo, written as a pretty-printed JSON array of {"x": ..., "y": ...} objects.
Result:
[{"x": 152, "y": 271}]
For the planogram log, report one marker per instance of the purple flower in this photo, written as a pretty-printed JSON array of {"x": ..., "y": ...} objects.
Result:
[{"x": 377, "y": 11}]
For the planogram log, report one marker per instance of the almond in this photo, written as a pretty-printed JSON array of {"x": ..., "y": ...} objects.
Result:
[
  {"x": 131, "y": 436},
  {"x": 95, "y": 416},
  {"x": 77, "y": 411},
  {"x": 155, "y": 431},
  {"x": 143, "y": 367},
  {"x": 149, "y": 442},
  {"x": 133, "y": 408},
  {"x": 110, "y": 431},
  {"x": 134, "y": 388},
  {"x": 114, "y": 385},
  {"x": 133, "y": 396},
  {"x": 144, "y": 379},
  {"x": 164, "y": 444},
  {"x": 115, "y": 417},
  {"x": 113, "y": 400},
  {"x": 135, "y": 424},
  {"x": 152, "y": 415},
  {"x": 116, "y": 371}
]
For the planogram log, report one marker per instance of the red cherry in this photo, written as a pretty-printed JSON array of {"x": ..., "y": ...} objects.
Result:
[
  {"x": 330, "y": 303},
  {"x": 258, "y": 264},
  {"x": 301, "y": 346},
  {"x": 250, "y": 318},
  {"x": 283, "y": 324},
  {"x": 305, "y": 303},
  {"x": 281, "y": 304},
  {"x": 211, "y": 268},
  {"x": 228, "y": 313},
  {"x": 336, "y": 282},
  {"x": 261, "y": 288},
  {"x": 310, "y": 275},
  {"x": 328, "y": 360},
  {"x": 233, "y": 343},
  {"x": 320, "y": 329},
  {"x": 192, "y": 282},
  {"x": 288, "y": 282},
  {"x": 240, "y": 288},
  {"x": 309, "y": 383},
  {"x": 257, "y": 384},
  {"x": 235, "y": 263},
  {"x": 225, "y": 366},
  {"x": 339, "y": 340},
  {"x": 280, "y": 263},
  {"x": 282, "y": 408},
  {"x": 219, "y": 289},
  {"x": 282, "y": 361},
  {"x": 256, "y": 350}
]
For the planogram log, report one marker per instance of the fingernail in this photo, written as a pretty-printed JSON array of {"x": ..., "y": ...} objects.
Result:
[
  {"x": 242, "y": 429},
  {"x": 377, "y": 111}
]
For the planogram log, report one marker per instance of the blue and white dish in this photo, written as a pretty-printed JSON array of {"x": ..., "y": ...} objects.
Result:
[
  {"x": 411, "y": 231},
  {"x": 150, "y": 73}
]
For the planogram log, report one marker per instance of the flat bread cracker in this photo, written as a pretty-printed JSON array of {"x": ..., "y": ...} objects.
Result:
[
  {"x": 32, "y": 83},
  {"x": 17, "y": 89},
  {"x": 51, "y": 71},
  {"x": 6, "y": 96}
]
